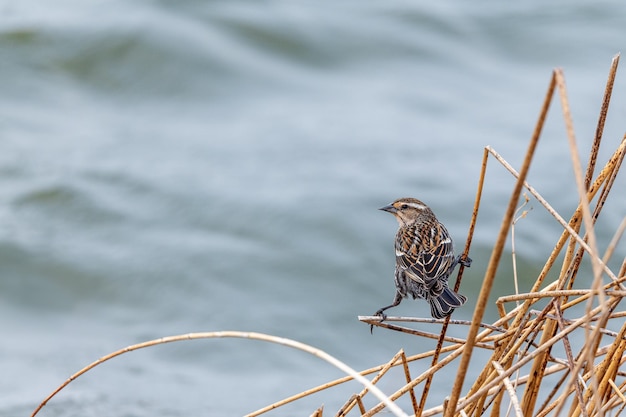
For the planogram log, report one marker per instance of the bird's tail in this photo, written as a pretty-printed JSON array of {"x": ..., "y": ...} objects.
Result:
[{"x": 444, "y": 304}]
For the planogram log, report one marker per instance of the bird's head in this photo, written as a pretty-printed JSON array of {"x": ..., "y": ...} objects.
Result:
[{"x": 408, "y": 211}]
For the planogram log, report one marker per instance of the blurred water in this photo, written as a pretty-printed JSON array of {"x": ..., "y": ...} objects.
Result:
[{"x": 169, "y": 167}]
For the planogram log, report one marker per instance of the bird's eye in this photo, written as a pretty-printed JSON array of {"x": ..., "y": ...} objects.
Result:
[{"x": 404, "y": 206}]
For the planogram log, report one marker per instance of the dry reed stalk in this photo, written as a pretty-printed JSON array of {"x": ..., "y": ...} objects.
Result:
[
  {"x": 558, "y": 404},
  {"x": 319, "y": 412},
  {"x": 240, "y": 335},
  {"x": 604, "y": 109},
  {"x": 568, "y": 351},
  {"x": 399, "y": 393},
  {"x": 520, "y": 381},
  {"x": 509, "y": 388},
  {"x": 494, "y": 261},
  {"x": 582, "y": 186},
  {"x": 591, "y": 239},
  {"x": 407, "y": 375},
  {"x": 457, "y": 285},
  {"x": 531, "y": 356},
  {"x": 398, "y": 357},
  {"x": 605, "y": 372},
  {"x": 345, "y": 379},
  {"x": 376, "y": 321},
  {"x": 345, "y": 409}
]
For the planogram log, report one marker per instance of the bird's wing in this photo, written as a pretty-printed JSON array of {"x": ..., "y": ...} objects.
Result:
[{"x": 425, "y": 256}]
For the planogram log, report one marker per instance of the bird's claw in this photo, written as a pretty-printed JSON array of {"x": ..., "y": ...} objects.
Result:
[
  {"x": 383, "y": 317},
  {"x": 466, "y": 261}
]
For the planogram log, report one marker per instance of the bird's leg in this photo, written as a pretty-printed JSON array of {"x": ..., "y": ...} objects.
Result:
[{"x": 396, "y": 300}]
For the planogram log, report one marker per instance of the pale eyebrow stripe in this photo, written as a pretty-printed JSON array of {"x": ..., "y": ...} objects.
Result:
[{"x": 417, "y": 206}]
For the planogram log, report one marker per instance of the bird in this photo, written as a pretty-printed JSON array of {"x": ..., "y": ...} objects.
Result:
[{"x": 424, "y": 258}]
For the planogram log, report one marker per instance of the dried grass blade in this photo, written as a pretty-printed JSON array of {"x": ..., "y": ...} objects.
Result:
[
  {"x": 604, "y": 108},
  {"x": 617, "y": 391},
  {"x": 407, "y": 375},
  {"x": 398, "y": 357},
  {"x": 319, "y": 412},
  {"x": 568, "y": 352},
  {"x": 510, "y": 389}
]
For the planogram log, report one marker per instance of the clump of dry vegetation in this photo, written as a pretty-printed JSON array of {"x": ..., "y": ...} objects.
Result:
[{"x": 534, "y": 369}]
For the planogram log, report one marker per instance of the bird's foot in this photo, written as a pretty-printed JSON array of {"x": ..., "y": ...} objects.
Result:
[
  {"x": 466, "y": 261},
  {"x": 383, "y": 317}
]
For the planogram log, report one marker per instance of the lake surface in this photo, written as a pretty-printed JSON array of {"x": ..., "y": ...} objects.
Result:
[{"x": 174, "y": 167}]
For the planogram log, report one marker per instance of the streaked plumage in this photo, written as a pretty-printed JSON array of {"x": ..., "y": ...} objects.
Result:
[{"x": 424, "y": 258}]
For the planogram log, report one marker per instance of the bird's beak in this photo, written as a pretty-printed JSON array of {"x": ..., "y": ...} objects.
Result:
[{"x": 389, "y": 209}]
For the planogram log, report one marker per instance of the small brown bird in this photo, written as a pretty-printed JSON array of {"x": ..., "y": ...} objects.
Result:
[{"x": 424, "y": 258}]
